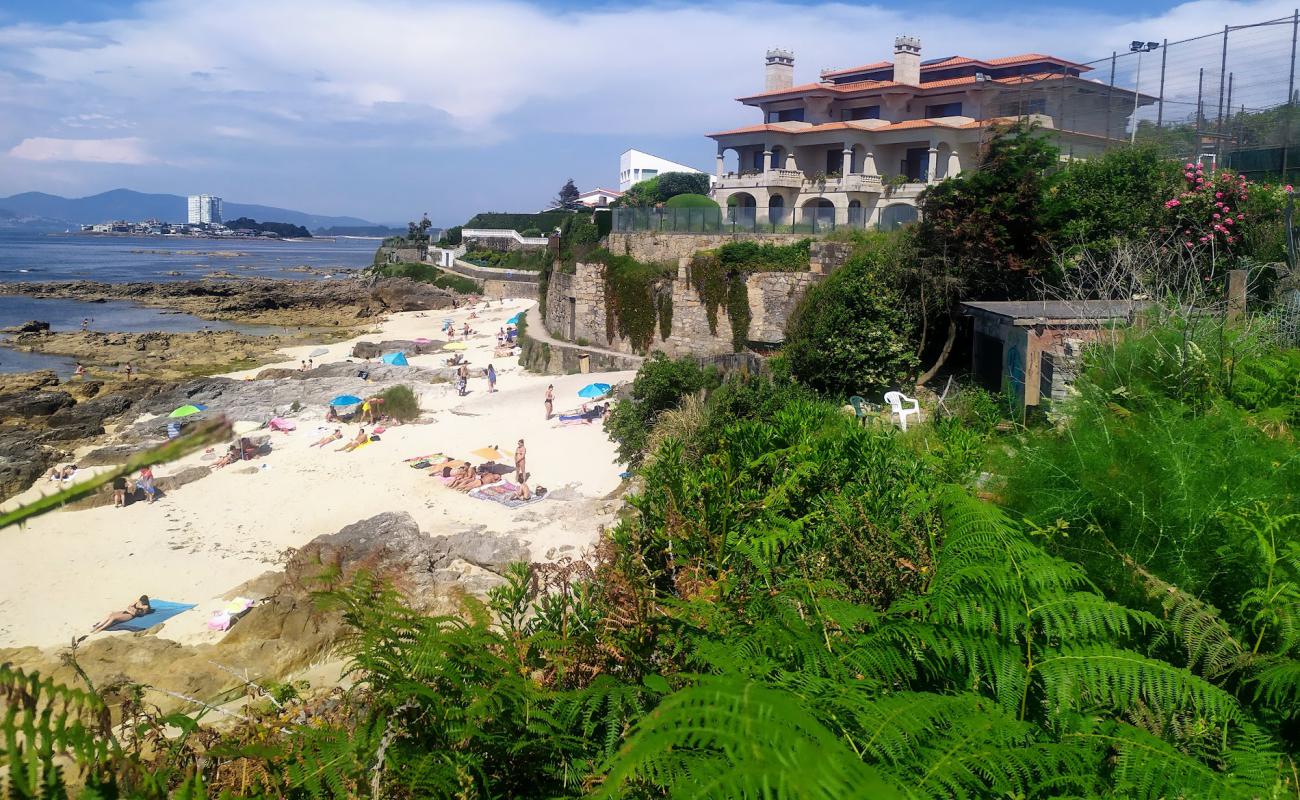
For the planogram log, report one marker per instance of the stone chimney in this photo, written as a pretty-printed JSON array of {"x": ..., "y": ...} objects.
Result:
[
  {"x": 779, "y": 72},
  {"x": 907, "y": 60}
]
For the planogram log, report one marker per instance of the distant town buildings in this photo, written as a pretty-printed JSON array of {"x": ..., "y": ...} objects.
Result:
[
  {"x": 635, "y": 166},
  {"x": 205, "y": 209}
]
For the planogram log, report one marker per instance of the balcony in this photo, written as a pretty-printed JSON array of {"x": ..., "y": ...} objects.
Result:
[
  {"x": 848, "y": 183},
  {"x": 783, "y": 178}
]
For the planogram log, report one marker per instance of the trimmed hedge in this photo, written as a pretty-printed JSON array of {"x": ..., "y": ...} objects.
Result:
[
  {"x": 427, "y": 273},
  {"x": 546, "y": 221},
  {"x": 690, "y": 201}
]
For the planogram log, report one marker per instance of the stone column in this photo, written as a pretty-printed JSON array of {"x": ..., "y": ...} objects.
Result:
[
  {"x": 847, "y": 169},
  {"x": 954, "y": 164},
  {"x": 767, "y": 160},
  {"x": 869, "y": 163},
  {"x": 932, "y": 168},
  {"x": 719, "y": 164}
]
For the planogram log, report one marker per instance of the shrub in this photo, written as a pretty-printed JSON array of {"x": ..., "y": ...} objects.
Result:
[
  {"x": 579, "y": 238},
  {"x": 644, "y": 193},
  {"x": 852, "y": 333},
  {"x": 1098, "y": 201},
  {"x": 690, "y": 201},
  {"x": 543, "y": 221},
  {"x": 660, "y": 384},
  {"x": 450, "y": 237},
  {"x": 400, "y": 403},
  {"x": 674, "y": 184},
  {"x": 719, "y": 276},
  {"x": 531, "y": 233},
  {"x": 427, "y": 273}
]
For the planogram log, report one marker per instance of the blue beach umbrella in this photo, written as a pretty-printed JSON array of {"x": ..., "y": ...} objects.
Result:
[
  {"x": 345, "y": 400},
  {"x": 515, "y": 319},
  {"x": 396, "y": 359},
  {"x": 593, "y": 390}
]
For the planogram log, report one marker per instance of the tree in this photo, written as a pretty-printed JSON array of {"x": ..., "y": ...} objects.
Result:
[
  {"x": 568, "y": 196},
  {"x": 659, "y": 385},
  {"x": 671, "y": 184},
  {"x": 982, "y": 234},
  {"x": 852, "y": 333},
  {"x": 1093, "y": 204},
  {"x": 419, "y": 231}
]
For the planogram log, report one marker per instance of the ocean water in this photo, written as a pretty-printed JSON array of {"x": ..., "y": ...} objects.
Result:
[
  {"x": 123, "y": 259},
  {"x": 112, "y": 259}
]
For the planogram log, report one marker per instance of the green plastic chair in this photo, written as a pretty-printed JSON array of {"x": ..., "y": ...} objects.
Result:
[{"x": 859, "y": 407}]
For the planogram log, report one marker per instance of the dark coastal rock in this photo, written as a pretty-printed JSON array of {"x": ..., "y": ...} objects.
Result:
[
  {"x": 32, "y": 326},
  {"x": 14, "y": 382},
  {"x": 33, "y": 403},
  {"x": 410, "y": 347}
]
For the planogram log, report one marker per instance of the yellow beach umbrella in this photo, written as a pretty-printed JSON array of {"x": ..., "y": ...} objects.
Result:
[
  {"x": 490, "y": 454},
  {"x": 454, "y": 346}
]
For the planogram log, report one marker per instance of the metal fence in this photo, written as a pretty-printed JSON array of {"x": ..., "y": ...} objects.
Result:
[
  {"x": 1226, "y": 98},
  {"x": 739, "y": 219}
]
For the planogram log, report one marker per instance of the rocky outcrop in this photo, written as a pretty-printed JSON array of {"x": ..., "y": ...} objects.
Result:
[
  {"x": 377, "y": 349},
  {"x": 287, "y": 631}
]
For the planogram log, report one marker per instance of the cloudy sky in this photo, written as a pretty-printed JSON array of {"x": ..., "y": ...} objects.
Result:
[{"x": 388, "y": 108}]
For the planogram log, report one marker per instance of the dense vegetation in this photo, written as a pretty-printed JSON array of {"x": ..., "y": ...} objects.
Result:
[
  {"x": 663, "y": 188},
  {"x": 545, "y": 221},
  {"x": 719, "y": 276},
  {"x": 427, "y": 273},
  {"x": 531, "y": 260},
  {"x": 285, "y": 230}
]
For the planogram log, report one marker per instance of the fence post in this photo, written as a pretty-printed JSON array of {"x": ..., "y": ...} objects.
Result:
[
  {"x": 1223, "y": 74},
  {"x": 1110, "y": 91},
  {"x": 1229, "y": 110},
  {"x": 1200, "y": 91},
  {"x": 1160, "y": 107},
  {"x": 1290, "y": 93}
]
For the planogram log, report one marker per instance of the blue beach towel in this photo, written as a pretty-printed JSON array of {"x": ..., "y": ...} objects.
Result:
[{"x": 162, "y": 611}]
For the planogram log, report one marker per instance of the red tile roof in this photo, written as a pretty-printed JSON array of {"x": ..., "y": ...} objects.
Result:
[
  {"x": 847, "y": 126},
  {"x": 957, "y": 61}
]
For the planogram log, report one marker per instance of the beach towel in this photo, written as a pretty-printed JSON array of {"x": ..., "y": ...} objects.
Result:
[
  {"x": 282, "y": 425},
  {"x": 426, "y": 457},
  {"x": 503, "y": 493},
  {"x": 222, "y": 619},
  {"x": 162, "y": 611}
]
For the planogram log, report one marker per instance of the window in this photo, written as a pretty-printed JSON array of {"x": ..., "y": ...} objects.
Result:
[
  {"x": 1037, "y": 105},
  {"x": 647, "y": 174},
  {"x": 788, "y": 115},
  {"x": 862, "y": 112},
  {"x": 758, "y": 161},
  {"x": 943, "y": 110}
]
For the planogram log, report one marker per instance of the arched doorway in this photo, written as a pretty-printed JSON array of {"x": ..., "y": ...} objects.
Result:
[
  {"x": 857, "y": 218},
  {"x": 741, "y": 208},
  {"x": 818, "y": 213},
  {"x": 897, "y": 215},
  {"x": 776, "y": 212}
]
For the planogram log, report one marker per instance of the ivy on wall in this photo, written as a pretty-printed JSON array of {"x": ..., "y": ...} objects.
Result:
[
  {"x": 719, "y": 276},
  {"x": 636, "y": 298}
]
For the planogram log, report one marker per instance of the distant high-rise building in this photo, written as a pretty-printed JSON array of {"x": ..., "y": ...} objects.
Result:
[{"x": 205, "y": 209}]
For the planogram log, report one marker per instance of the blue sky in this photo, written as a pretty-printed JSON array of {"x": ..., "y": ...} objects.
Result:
[{"x": 388, "y": 108}]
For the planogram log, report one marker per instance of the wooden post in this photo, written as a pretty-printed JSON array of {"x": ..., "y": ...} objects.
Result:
[{"x": 1236, "y": 295}]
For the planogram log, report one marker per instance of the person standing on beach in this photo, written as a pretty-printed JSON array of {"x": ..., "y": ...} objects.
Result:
[
  {"x": 128, "y": 370},
  {"x": 520, "y": 457},
  {"x": 492, "y": 378},
  {"x": 550, "y": 400}
]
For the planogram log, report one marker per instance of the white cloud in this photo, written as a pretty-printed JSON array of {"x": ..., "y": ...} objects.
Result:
[{"x": 129, "y": 150}]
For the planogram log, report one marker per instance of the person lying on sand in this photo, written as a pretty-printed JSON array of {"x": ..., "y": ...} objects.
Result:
[
  {"x": 231, "y": 456},
  {"x": 137, "y": 609},
  {"x": 523, "y": 492},
  {"x": 62, "y": 473},
  {"x": 360, "y": 439},
  {"x": 333, "y": 437}
]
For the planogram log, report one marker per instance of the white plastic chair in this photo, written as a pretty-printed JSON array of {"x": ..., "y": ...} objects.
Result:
[{"x": 896, "y": 400}]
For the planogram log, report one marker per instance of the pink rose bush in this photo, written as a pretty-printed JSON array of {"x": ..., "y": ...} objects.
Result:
[{"x": 1210, "y": 204}]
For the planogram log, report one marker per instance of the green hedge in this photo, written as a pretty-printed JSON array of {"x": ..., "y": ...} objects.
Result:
[
  {"x": 546, "y": 221},
  {"x": 690, "y": 201},
  {"x": 530, "y": 260}
]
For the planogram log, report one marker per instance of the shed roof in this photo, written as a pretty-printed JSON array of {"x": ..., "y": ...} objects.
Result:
[{"x": 1035, "y": 312}]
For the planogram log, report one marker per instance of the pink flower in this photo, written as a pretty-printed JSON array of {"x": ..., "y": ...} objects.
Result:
[
  {"x": 1172, "y": 203},
  {"x": 1216, "y": 216},
  {"x": 1189, "y": 244},
  {"x": 1200, "y": 180},
  {"x": 1241, "y": 216},
  {"x": 1188, "y": 175},
  {"x": 1191, "y": 166},
  {"x": 1288, "y": 188},
  {"x": 1229, "y": 221},
  {"x": 1231, "y": 240},
  {"x": 1218, "y": 195}
]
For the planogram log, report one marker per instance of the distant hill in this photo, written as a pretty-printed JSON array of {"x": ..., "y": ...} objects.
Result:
[{"x": 130, "y": 205}]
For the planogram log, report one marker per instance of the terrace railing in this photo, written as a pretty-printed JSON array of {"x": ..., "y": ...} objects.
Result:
[{"x": 737, "y": 220}]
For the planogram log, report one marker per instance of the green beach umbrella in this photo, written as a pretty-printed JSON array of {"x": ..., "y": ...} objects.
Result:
[{"x": 185, "y": 411}]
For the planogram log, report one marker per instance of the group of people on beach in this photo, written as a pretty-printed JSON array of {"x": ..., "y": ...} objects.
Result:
[{"x": 144, "y": 483}]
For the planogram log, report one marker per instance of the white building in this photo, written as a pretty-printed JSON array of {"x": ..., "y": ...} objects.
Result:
[
  {"x": 635, "y": 166},
  {"x": 598, "y": 198},
  {"x": 205, "y": 209}
]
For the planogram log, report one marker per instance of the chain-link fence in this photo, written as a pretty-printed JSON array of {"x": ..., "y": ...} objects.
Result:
[{"x": 1226, "y": 98}]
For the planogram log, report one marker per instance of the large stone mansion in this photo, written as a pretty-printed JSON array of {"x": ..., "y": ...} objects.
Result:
[{"x": 859, "y": 145}]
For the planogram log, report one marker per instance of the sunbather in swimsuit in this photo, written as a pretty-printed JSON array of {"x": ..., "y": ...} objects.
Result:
[
  {"x": 360, "y": 439},
  {"x": 137, "y": 609},
  {"x": 333, "y": 437}
]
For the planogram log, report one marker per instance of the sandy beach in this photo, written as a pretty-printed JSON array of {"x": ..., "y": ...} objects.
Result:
[{"x": 65, "y": 570}]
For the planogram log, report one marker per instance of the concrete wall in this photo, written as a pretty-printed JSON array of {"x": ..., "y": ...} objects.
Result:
[
  {"x": 669, "y": 248},
  {"x": 575, "y": 311},
  {"x": 498, "y": 289}
]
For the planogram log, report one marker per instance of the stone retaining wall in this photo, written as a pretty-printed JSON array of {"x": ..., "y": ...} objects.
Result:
[
  {"x": 669, "y": 248},
  {"x": 575, "y": 311}
]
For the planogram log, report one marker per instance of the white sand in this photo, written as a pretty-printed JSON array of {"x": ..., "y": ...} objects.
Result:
[{"x": 65, "y": 570}]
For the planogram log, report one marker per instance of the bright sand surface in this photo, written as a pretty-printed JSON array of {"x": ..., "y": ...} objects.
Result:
[{"x": 65, "y": 570}]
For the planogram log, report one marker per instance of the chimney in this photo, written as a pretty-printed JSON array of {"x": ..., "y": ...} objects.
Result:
[
  {"x": 907, "y": 60},
  {"x": 779, "y": 72}
]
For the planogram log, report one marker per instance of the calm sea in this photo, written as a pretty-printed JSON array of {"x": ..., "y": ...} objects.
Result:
[{"x": 112, "y": 259}]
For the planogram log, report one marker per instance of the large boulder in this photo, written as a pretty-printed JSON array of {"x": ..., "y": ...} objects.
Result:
[
  {"x": 404, "y": 294},
  {"x": 376, "y": 349},
  {"x": 33, "y": 403}
]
